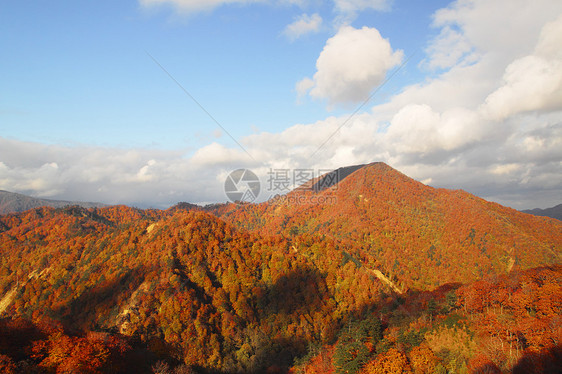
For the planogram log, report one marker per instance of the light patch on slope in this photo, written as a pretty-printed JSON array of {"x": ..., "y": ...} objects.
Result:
[
  {"x": 510, "y": 264},
  {"x": 150, "y": 228},
  {"x": 124, "y": 320},
  {"x": 10, "y": 295},
  {"x": 387, "y": 281},
  {"x": 7, "y": 299}
]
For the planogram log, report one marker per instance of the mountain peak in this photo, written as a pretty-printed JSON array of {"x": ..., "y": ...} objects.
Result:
[
  {"x": 363, "y": 179},
  {"x": 334, "y": 177},
  {"x": 337, "y": 176}
]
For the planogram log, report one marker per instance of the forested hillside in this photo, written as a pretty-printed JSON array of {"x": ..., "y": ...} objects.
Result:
[
  {"x": 402, "y": 227},
  {"x": 385, "y": 273}
]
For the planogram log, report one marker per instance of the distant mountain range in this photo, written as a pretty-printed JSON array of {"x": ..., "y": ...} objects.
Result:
[
  {"x": 11, "y": 202},
  {"x": 554, "y": 212}
]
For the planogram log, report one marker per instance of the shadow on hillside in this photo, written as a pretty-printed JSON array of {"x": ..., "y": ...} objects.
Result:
[
  {"x": 298, "y": 292},
  {"x": 289, "y": 307},
  {"x": 85, "y": 310},
  {"x": 16, "y": 337},
  {"x": 549, "y": 362}
]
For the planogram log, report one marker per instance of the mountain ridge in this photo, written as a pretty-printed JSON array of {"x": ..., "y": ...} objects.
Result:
[
  {"x": 12, "y": 202},
  {"x": 552, "y": 212}
]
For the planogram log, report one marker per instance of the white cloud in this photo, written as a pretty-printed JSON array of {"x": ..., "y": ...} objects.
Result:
[
  {"x": 303, "y": 86},
  {"x": 505, "y": 169},
  {"x": 533, "y": 82},
  {"x": 419, "y": 129},
  {"x": 352, "y": 63},
  {"x": 217, "y": 154},
  {"x": 110, "y": 175},
  {"x": 447, "y": 49},
  {"x": 505, "y": 26},
  {"x": 145, "y": 173},
  {"x": 490, "y": 122},
  {"x": 346, "y": 10},
  {"x": 193, "y": 6},
  {"x": 530, "y": 83},
  {"x": 352, "y": 6},
  {"x": 304, "y": 24},
  {"x": 550, "y": 40}
]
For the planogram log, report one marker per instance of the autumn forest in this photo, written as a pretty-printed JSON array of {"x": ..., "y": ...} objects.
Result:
[{"x": 392, "y": 277}]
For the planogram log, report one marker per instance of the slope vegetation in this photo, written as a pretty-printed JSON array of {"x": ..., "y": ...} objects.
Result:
[
  {"x": 367, "y": 268},
  {"x": 403, "y": 228}
]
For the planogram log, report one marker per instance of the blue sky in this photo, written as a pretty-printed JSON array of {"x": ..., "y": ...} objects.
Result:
[
  {"x": 78, "y": 72},
  {"x": 85, "y": 113}
]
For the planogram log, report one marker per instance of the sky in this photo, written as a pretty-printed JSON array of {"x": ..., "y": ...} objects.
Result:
[{"x": 152, "y": 102}]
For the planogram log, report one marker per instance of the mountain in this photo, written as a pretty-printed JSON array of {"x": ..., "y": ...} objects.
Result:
[
  {"x": 11, "y": 202},
  {"x": 554, "y": 212},
  {"x": 330, "y": 179},
  {"x": 365, "y": 269},
  {"x": 401, "y": 227}
]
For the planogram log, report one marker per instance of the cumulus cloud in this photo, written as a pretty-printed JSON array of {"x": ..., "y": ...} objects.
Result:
[
  {"x": 530, "y": 83},
  {"x": 352, "y": 63},
  {"x": 40, "y": 179},
  {"x": 489, "y": 121},
  {"x": 110, "y": 175},
  {"x": 304, "y": 24},
  {"x": 533, "y": 82},
  {"x": 508, "y": 26},
  {"x": 217, "y": 154},
  {"x": 419, "y": 129}
]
